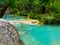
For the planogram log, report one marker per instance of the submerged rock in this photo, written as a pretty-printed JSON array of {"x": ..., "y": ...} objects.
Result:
[{"x": 9, "y": 34}]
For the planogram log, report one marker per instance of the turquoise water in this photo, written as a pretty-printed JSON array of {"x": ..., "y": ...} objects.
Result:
[
  {"x": 38, "y": 34},
  {"x": 11, "y": 17}
]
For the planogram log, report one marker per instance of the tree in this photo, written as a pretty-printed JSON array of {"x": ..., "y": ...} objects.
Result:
[{"x": 4, "y": 4}]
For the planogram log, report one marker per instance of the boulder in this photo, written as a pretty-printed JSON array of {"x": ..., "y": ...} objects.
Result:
[{"x": 9, "y": 34}]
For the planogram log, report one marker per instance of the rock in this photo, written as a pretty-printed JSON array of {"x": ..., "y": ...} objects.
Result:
[{"x": 9, "y": 34}]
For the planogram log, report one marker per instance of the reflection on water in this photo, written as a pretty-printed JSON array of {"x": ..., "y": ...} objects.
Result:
[{"x": 56, "y": 42}]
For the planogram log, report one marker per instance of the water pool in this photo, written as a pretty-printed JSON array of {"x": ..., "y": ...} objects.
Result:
[
  {"x": 39, "y": 35},
  {"x": 36, "y": 34}
]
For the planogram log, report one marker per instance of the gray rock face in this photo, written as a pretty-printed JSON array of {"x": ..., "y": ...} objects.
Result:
[{"x": 9, "y": 34}]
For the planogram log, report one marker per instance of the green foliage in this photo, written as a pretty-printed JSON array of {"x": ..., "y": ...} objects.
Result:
[{"x": 37, "y": 9}]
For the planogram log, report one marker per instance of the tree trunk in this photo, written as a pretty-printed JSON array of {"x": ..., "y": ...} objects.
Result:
[{"x": 3, "y": 10}]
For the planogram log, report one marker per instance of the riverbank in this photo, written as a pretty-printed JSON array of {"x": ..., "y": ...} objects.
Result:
[{"x": 31, "y": 22}]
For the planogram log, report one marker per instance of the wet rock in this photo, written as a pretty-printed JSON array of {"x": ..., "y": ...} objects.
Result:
[{"x": 9, "y": 34}]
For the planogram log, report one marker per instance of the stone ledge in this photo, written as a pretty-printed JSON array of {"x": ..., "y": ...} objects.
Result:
[{"x": 9, "y": 34}]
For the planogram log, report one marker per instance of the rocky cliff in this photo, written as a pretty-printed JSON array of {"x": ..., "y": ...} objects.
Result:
[{"x": 9, "y": 34}]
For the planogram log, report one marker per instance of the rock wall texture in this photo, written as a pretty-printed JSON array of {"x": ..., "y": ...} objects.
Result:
[{"x": 9, "y": 34}]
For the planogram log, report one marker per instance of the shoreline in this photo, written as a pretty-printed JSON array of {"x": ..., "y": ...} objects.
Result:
[{"x": 31, "y": 22}]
